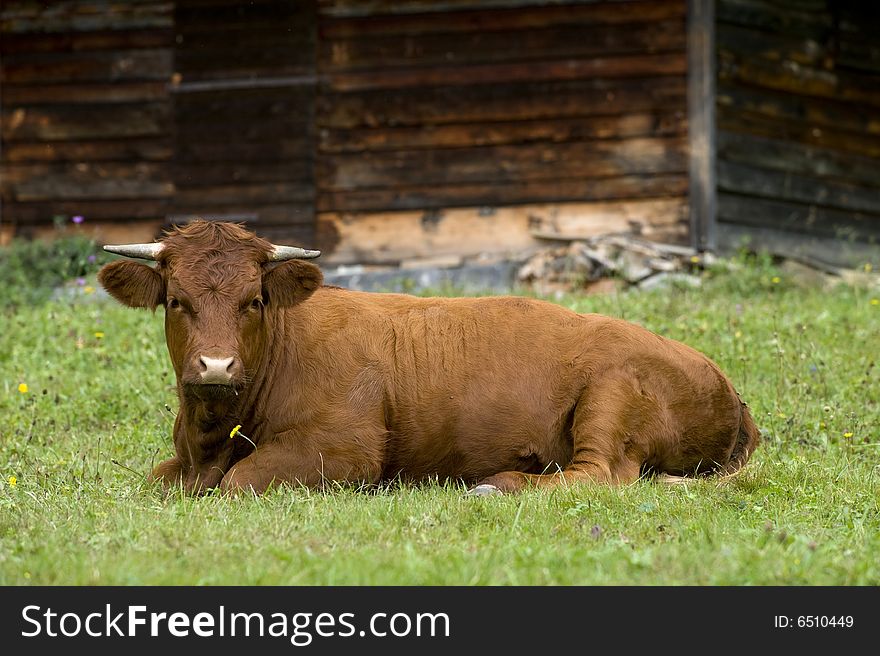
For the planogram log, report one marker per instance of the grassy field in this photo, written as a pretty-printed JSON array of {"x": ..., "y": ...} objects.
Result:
[{"x": 84, "y": 384}]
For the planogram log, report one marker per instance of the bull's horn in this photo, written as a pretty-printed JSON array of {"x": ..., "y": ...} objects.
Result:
[
  {"x": 142, "y": 251},
  {"x": 281, "y": 253}
]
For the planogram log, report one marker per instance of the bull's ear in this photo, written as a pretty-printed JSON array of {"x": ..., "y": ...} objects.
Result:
[
  {"x": 291, "y": 282},
  {"x": 133, "y": 284}
]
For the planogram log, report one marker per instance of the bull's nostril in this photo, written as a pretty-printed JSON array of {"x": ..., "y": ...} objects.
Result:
[{"x": 216, "y": 370}]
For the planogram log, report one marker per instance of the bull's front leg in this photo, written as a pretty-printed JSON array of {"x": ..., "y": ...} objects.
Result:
[{"x": 308, "y": 462}]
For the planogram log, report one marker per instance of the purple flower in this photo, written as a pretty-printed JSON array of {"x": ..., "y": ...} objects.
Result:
[
  {"x": 80, "y": 281},
  {"x": 91, "y": 259},
  {"x": 77, "y": 219}
]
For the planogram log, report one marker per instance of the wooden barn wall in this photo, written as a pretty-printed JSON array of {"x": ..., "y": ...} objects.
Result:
[
  {"x": 244, "y": 114},
  {"x": 798, "y": 111},
  {"x": 464, "y": 126},
  {"x": 86, "y": 115}
]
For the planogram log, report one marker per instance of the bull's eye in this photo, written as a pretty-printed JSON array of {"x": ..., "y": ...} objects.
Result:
[
  {"x": 256, "y": 304},
  {"x": 173, "y": 303}
]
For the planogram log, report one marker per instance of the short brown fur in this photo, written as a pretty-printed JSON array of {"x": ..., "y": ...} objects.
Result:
[{"x": 337, "y": 385}]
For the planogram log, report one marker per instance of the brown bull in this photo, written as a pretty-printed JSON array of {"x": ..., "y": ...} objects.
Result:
[{"x": 336, "y": 385}]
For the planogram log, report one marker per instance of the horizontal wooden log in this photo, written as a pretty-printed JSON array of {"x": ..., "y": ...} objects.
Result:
[
  {"x": 37, "y": 17},
  {"x": 280, "y": 13},
  {"x": 481, "y": 74},
  {"x": 16, "y": 44},
  {"x": 734, "y": 100},
  {"x": 829, "y": 251},
  {"x": 277, "y": 214},
  {"x": 566, "y": 42},
  {"x": 212, "y": 174},
  {"x": 497, "y": 195},
  {"x": 403, "y": 11},
  {"x": 121, "y": 229},
  {"x": 85, "y": 122},
  {"x": 89, "y": 151},
  {"x": 66, "y": 94},
  {"x": 296, "y": 146},
  {"x": 240, "y": 132},
  {"x": 645, "y": 124},
  {"x": 798, "y": 218},
  {"x": 774, "y": 18},
  {"x": 790, "y": 77},
  {"x": 527, "y": 101},
  {"x": 84, "y": 181},
  {"x": 799, "y": 132},
  {"x": 503, "y": 163},
  {"x": 42, "y": 212},
  {"x": 772, "y": 46},
  {"x": 246, "y": 194},
  {"x": 389, "y": 237},
  {"x": 117, "y": 65},
  {"x": 243, "y": 104},
  {"x": 797, "y": 158},
  {"x": 753, "y": 181}
]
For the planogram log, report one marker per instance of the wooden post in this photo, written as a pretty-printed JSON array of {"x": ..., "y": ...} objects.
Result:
[{"x": 701, "y": 123}]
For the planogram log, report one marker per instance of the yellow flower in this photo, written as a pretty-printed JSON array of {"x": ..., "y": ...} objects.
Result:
[
  {"x": 23, "y": 388},
  {"x": 738, "y": 334},
  {"x": 868, "y": 267},
  {"x": 695, "y": 259},
  {"x": 99, "y": 335},
  {"x": 13, "y": 481},
  {"x": 875, "y": 301},
  {"x": 775, "y": 280},
  {"x": 848, "y": 435},
  {"x": 88, "y": 289},
  {"x": 233, "y": 432},
  {"x": 781, "y": 415}
]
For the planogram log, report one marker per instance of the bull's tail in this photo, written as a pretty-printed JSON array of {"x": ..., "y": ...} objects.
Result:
[{"x": 747, "y": 438}]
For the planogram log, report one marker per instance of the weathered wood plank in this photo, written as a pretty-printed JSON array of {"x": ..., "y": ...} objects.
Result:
[
  {"x": 487, "y": 19},
  {"x": 529, "y": 101},
  {"x": 244, "y": 194},
  {"x": 645, "y": 124},
  {"x": 753, "y": 181},
  {"x": 212, "y": 174},
  {"x": 289, "y": 146},
  {"x": 85, "y": 122},
  {"x": 481, "y": 74},
  {"x": 116, "y": 65},
  {"x": 36, "y": 17},
  {"x": 797, "y": 158},
  {"x": 491, "y": 194},
  {"x": 89, "y": 151},
  {"x": 778, "y": 19},
  {"x": 565, "y": 42},
  {"x": 734, "y": 100},
  {"x": 389, "y": 237},
  {"x": 796, "y": 218},
  {"x": 800, "y": 132},
  {"x": 278, "y": 214},
  {"x": 812, "y": 248},
  {"x": 17, "y": 44},
  {"x": 243, "y": 104},
  {"x": 41, "y": 212},
  {"x": 93, "y": 180},
  {"x": 97, "y": 92},
  {"x": 792, "y": 78},
  {"x": 503, "y": 163},
  {"x": 380, "y": 7}
]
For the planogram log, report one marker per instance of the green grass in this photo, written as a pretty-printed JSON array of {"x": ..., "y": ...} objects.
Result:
[{"x": 804, "y": 511}]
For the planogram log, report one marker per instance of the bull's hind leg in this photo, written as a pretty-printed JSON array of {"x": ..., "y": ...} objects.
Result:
[{"x": 612, "y": 424}]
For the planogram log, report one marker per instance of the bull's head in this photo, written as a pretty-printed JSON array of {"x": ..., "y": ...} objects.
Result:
[{"x": 221, "y": 287}]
